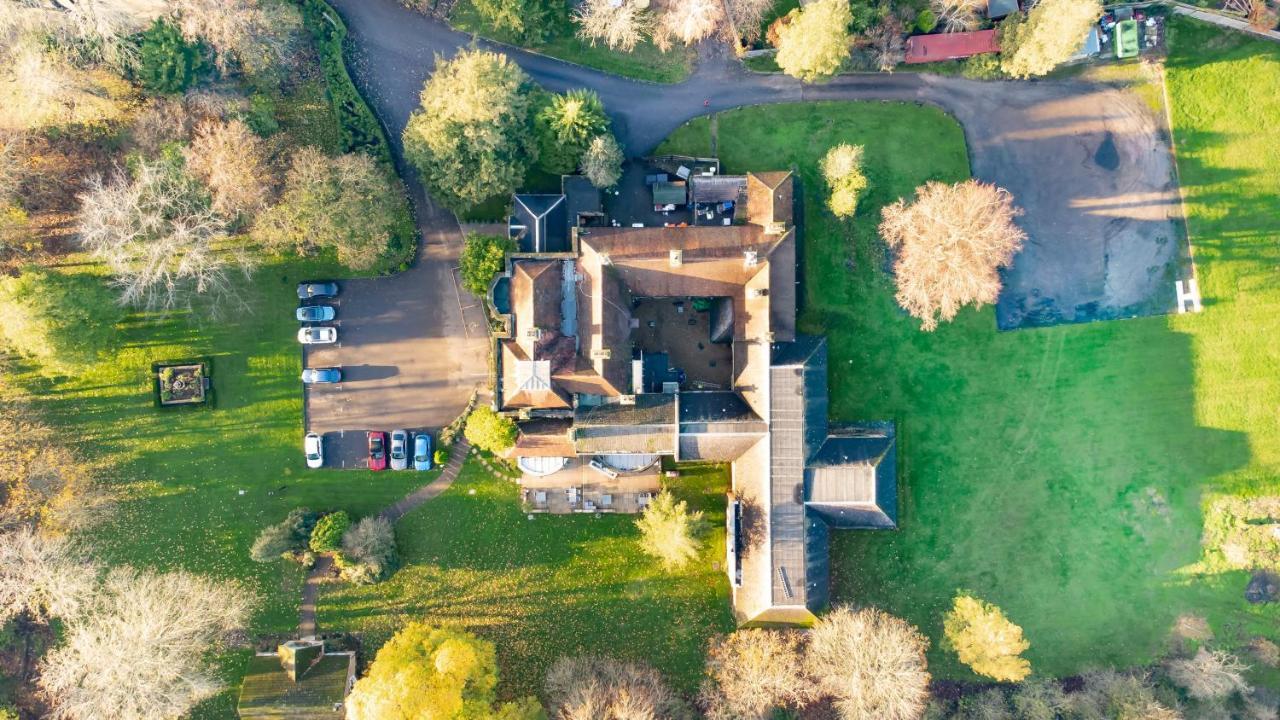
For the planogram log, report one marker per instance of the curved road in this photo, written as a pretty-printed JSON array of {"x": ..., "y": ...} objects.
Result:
[{"x": 1090, "y": 164}]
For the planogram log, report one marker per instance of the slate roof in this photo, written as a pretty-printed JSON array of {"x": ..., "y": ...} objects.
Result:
[
  {"x": 544, "y": 437},
  {"x": 718, "y": 188},
  {"x": 267, "y": 691},
  {"x": 770, "y": 198},
  {"x": 648, "y": 426},
  {"x": 541, "y": 223},
  {"x": 648, "y": 409},
  {"x": 852, "y": 481},
  {"x": 581, "y": 197},
  {"x": 718, "y": 406}
]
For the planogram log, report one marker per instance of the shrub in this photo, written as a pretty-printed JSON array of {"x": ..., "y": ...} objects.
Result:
[
  {"x": 261, "y": 115},
  {"x": 842, "y": 169},
  {"x": 926, "y": 21},
  {"x": 527, "y": 20},
  {"x": 669, "y": 532},
  {"x": 982, "y": 67},
  {"x": 441, "y": 456},
  {"x": 985, "y": 640},
  {"x": 487, "y": 430},
  {"x": 368, "y": 551},
  {"x": 167, "y": 64},
  {"x": 1039, "y": 699},
  {"x": 289, "y": 535},
  {"x": 327, "y": 535},
  {"x": 602, "y": 161},
  {"x": 483, "y": 256}
]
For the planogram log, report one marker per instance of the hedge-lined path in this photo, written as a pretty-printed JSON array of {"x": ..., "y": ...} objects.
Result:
[{"x": 324, "y": 564}]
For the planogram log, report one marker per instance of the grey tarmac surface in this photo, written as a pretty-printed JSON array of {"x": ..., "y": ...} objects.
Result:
[{"x": 1090, "y": 165}]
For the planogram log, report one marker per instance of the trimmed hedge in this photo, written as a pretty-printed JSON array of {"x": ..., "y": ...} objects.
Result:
[{"x": 359, "y": 127}]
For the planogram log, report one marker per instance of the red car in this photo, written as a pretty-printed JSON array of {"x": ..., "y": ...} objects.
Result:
[{"x": 377, "y": 450}]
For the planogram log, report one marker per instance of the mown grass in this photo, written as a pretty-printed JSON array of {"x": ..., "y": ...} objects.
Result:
[
  {"x": 547, "y": 587},
  {"x": 646, "y": 62},
  {"x": 1059, "y": 473}
]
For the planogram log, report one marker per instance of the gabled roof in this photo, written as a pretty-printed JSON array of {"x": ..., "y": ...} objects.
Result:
[
  {"x": 544, "y": 437},
  {"x": 541, "y": 223},
  {"x": 770, "y": 198},
  {"x": 267, "y": 691}
]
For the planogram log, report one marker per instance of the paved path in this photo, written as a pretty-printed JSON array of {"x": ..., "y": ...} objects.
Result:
[
  {"x": 324, "y": 564},
  {"x": 1224, "y": 21},
  {"x": 1090, "y": 164}
]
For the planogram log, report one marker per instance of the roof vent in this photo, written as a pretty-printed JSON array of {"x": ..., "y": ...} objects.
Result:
[
  {"x": 600, "y": 354},
  {"x": 758, "y": 292},
  {"x": 626, "y": 399},
  {"x": 533, "y": 333},
  {"x": 775, "y": 228},
  {"x": 751, "y": 258},
  {"x": 676, "y": 257}
]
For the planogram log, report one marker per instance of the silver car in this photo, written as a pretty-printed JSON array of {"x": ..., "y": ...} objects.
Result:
[
  {"x": 399, "y": 450},
  {"x": 317, "y": 335}
]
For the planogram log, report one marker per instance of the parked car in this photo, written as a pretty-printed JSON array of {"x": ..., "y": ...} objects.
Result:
[
  {"x": 399, "y": 450},
  {"x": 321, "y": 376},
  {"x": 309, "y": 290},
  {"x": 377, "y": 450},
  {"x": 317, "y": 335},
  {"x": 422, "y": 451},
  {"x": 316, "y": 313},
  {"x": 313, "y": 448}
]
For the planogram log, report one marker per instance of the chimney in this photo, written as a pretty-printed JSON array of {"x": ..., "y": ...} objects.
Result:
[{"x": 297, "y": 656}]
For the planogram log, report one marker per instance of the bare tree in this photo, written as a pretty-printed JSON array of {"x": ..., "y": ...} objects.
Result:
[
  {"x": 888, "y": 42},
  {"x": 747, "y": 16},
  {"x": 160, "y": 237},
  {"x": 42, "y": 576},
  {"x": 949, "y": 244},
  {"x": 255, "y": 34},
  {"x": 688, "y": 21},
  {"x": 600, "y": 688},
  {"x": 139, "y": 648},
  {"x": 958, "y": 15},
  {"x": 13, "y": 156},
  {"x": 231, "y": 160},
  {"x": 620, "y": 26},
  {"x": 871, "y": 663},
  {"x": 1108, "y": 694},
  {"x": 1209, "y": 674},
  {"x": 752, "y": 672},
  {"x": 88, "y": 31}
]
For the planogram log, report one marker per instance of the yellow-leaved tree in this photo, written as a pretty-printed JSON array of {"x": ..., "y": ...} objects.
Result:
[
  {"x": 438, "y": 673},
  {"x": 1041, "y": 40},
  {"x": 985, "y": 640}
]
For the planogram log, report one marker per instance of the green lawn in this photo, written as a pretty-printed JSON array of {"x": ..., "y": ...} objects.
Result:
[
  {"x": 549, "y": 587},
  {"x": 646, "y": 62},
  {"x": 1059, "y": 473}
]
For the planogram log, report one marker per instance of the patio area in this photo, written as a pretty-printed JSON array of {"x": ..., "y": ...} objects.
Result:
[{"x": 579, "y": 488}]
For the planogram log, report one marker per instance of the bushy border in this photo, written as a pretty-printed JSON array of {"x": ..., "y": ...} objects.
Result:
[
  {"x": 358, "y": 126},
  {"x": 209, "y": 398}
]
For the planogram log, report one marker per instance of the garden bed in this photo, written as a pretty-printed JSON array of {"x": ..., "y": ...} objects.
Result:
[{"x": 178, "y": 383}]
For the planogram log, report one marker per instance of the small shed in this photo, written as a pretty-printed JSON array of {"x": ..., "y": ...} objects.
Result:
[
  {"x": 670, "y": 193},
  {"x": 300, "y": 681},
  {"x": 997, "y": 9},
  {"x": 950, "y": 46}
]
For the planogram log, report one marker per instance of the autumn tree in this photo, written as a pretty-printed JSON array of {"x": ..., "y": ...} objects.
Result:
[
  {"x": 442, "y": 673},
  {"x": 600, "y": 688},
  {"x": 232, "y": 161},
  {"x": 483, "y": 256},
  {"x": 487, "y": 430},
  {"x": 948, "y": 247},
  {"x": 688, "y": 21},
  {"x": 620, "y": 26},
  {"x": 748, "y": 15},
  {"x": 472, "y": 137},
  {"x": 602, "y": 161},
  {"x": 958, "y": 15},
  {"x": 1209, "y": 674},
  {"x": 751, "y": 673},
  {"x": 247, "y": 33},
  {"x": 814, "y": 45},
  {"x": 61, "y": 320},
  {"x": 1036, "y": 42},
  {"x": 669, "y": 531},
  {"x": 174, "y": 623},
  {"x": 347, "y": 204},
  {"x": 842, "y": 170},
  {"x": 157, "y": 232},
  {"x": 888, "y": 42},
  {"x": 985, "y": 640},
  {"x": 871, "y": 663},
  {"x": 565, "y": 126}
]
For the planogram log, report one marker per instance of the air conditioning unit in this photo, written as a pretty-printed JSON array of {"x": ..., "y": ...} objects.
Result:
[
  {"x": 751, "y": 258},
  {"x": 600, "y": 354},
  {"x": 533, "y": 333},
  {"x": 676, "y": 257},
  {"x": 758, "y": 292}
]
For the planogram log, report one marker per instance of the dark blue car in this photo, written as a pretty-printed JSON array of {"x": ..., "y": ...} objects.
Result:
[
  {"x": 309, "y": 290},
  {"x": 316, "y": 313}
]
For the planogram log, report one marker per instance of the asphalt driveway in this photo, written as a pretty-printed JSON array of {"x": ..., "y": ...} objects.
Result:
[{"x": 411, "y": 347}]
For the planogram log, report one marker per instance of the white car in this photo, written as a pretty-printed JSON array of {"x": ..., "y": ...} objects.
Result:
[
  {"x": 317, "y": 335},
  {"x": 399, "y": 450},
  {"x": 313, "y": 447}
]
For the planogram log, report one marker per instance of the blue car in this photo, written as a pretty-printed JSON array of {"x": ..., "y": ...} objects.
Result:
[
  {"x": 422, "y": 451},
  {"x": 314, "y": 376},
  {"x": 316, "y": 313}
]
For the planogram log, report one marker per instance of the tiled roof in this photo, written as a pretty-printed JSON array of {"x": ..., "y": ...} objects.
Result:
[
  {"x": 267, "y": 692},
  {"x": 648, "y": 409}
]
